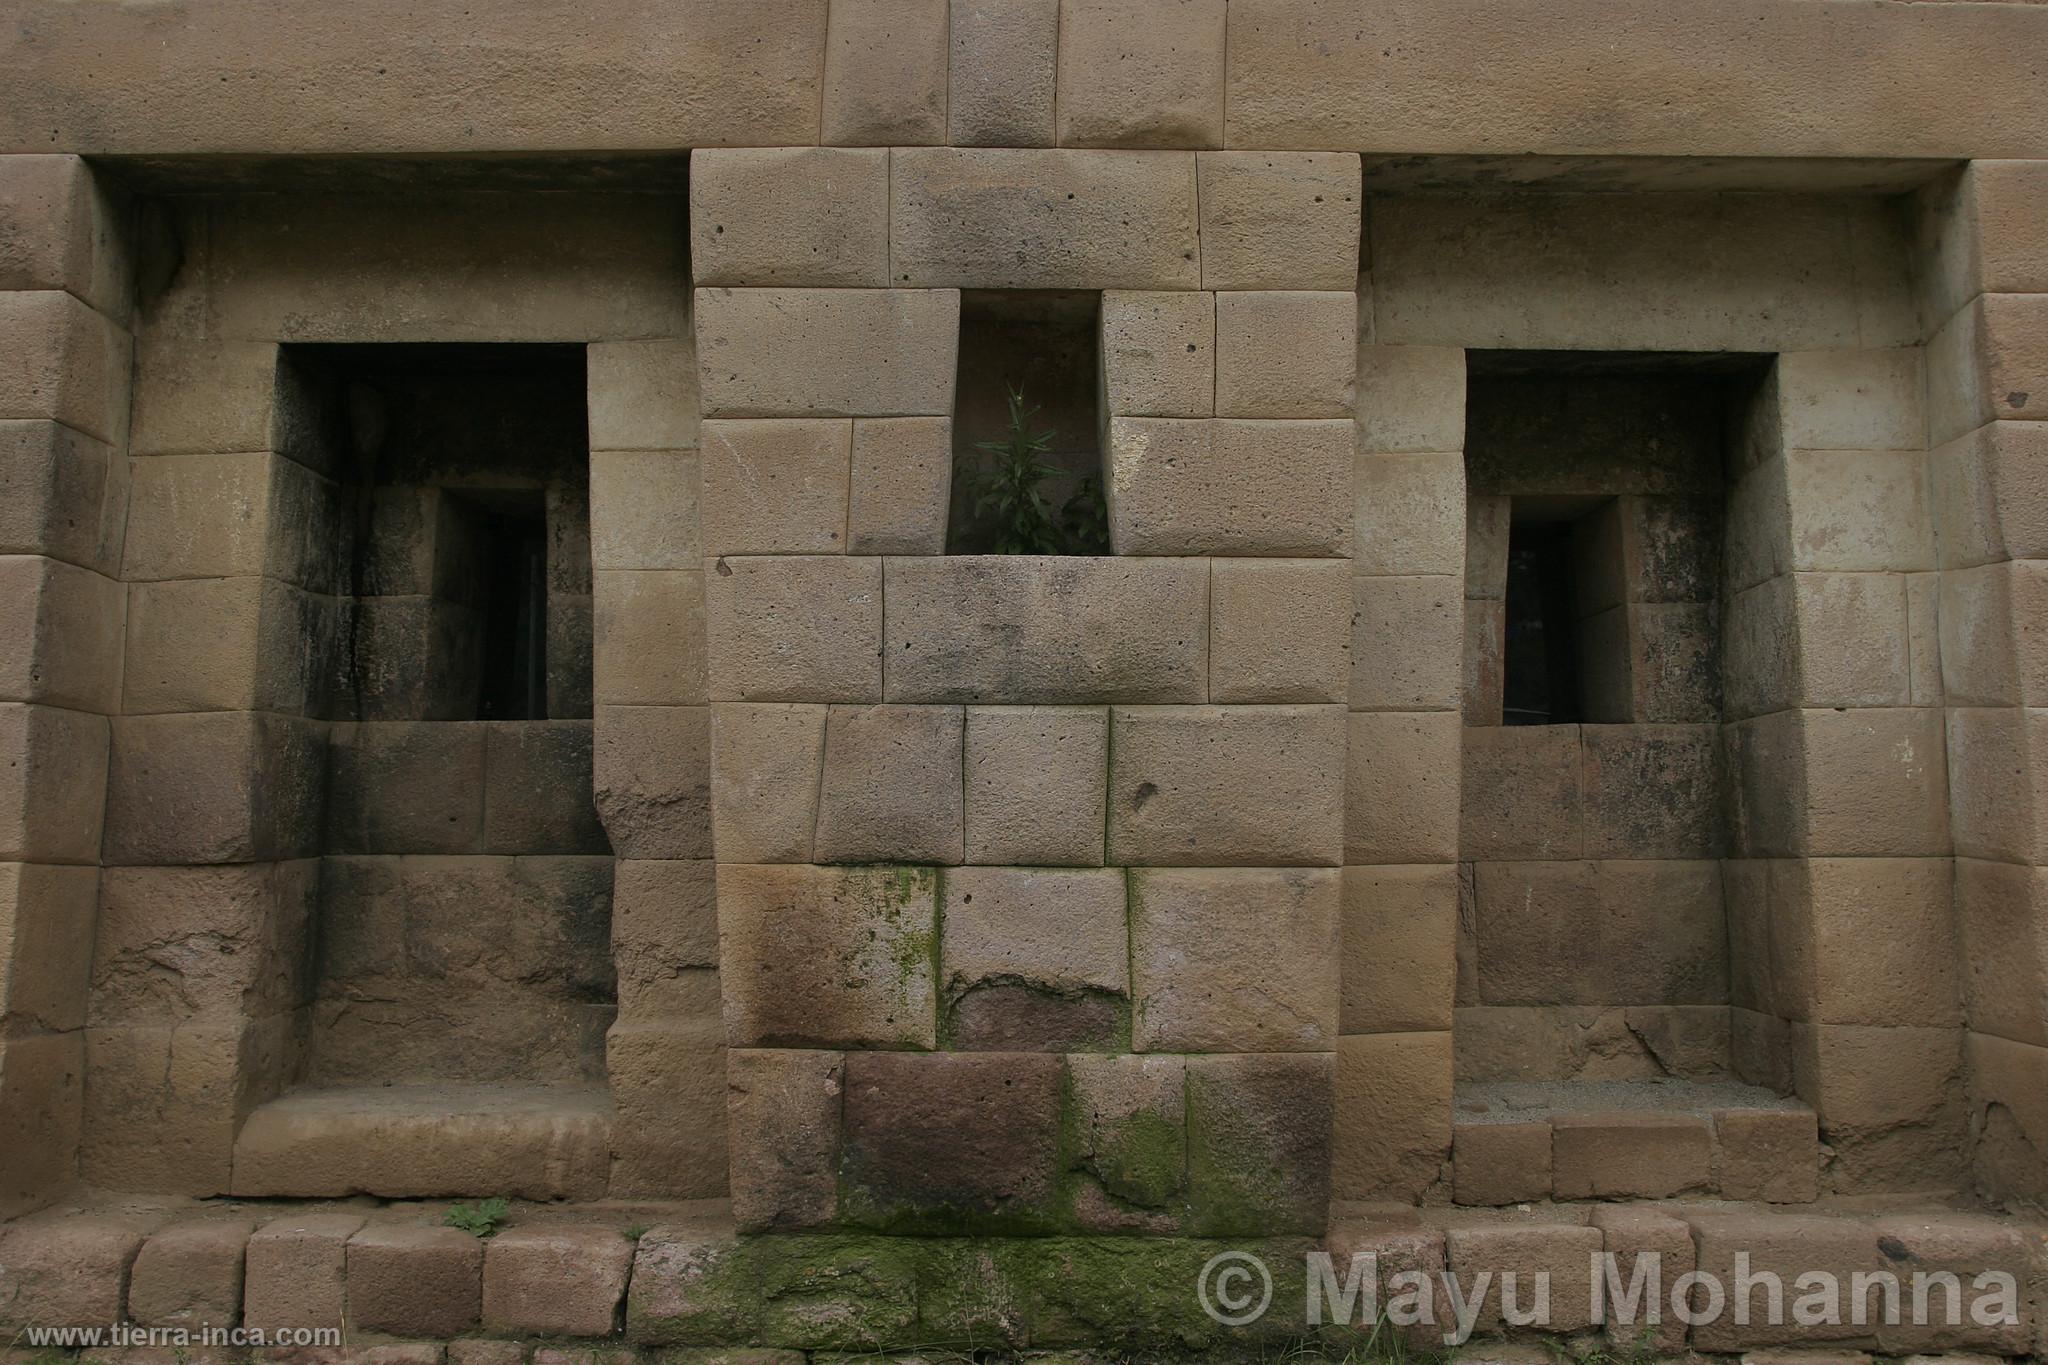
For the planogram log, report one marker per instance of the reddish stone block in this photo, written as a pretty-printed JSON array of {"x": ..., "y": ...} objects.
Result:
[
  {"x": 189, "y": 1275},
  {"x": 1517, "y": 1255},
  {"x": 1500, "y": 1163},
  {"x": 1630, "y": 1156},
  {"x": 555, "y": 1281},
  {"x": 296, "y": 1271},
  {"x": 66, "y": 1274},
  {"x": 1767, "y": 1154},
  {"x": 1259, "y": 1135},
  {"x": 411, "y": 1281}
]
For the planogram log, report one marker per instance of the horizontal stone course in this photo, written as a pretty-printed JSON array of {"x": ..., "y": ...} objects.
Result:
[
  {"x": 1180, "y": 487},
  {"x": 1227, "y": 785},
  {"x": 827, "y": 352}
]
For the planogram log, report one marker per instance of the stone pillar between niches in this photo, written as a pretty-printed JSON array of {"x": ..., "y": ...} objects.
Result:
[
  {"x": 1984, "y": 305},
  {"x": 65, "y": 319}
]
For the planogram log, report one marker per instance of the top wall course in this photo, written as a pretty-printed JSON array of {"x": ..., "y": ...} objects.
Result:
[
  {"x": 790, "y": 215},
  {"x": 885, "y": 73}
]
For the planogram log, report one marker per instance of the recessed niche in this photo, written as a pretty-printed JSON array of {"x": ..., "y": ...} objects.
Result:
[{"x": 1028, "y": 426}]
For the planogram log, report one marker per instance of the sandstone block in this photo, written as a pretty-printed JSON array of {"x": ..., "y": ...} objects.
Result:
[
  {"x": 1229, "y": 487},
  {"x": 1858, "y": 510},
  {"x": 885, "y": 73},
  {"x": 1407, "y": 643},
  {"x": 67, "y": 495},
  {"x": 1280, "y": 220},
  {"x": 71, "y": 364},
  {"x": 1989, "y": 748},
  {"x": 1500, "y": 1163},
  {"x": 1393, "y": 1126},
  {"x": 2009, "y": 1080},
  {"x": 642, "y": 394},
  {"x": 1234, "y": 960},
  {"x": 902, "y": 483},
  {"x": 1401, "y": 1251},
  {"x": 1965, "y": 1245},
  {"x": 209, "y": 516},
  {"x": 174, "y": 1085},
  {"x": 1138, "y": 75},
  {"x": 1766, "y": 1154},
  {"x": 669, "y": 1136},
  {"x": 1410, "y": 398},
  {"x": 1631, "y": 1156},
  {"x": 648, "y": 638},
  {"x": 643, "y": 510},
  {"x": 1286, "y": 353},
  {"x": 60, "y": 634},
  {"x": 1787, "y": 1246},
  {"x": 1036, "y": 784},
  {"x": 1874, "y": 779},
  {"x": 1401, "y": 786},
  {"x": 1159, "y": 353},
  {"x": 209, "y": 788},
  {"x": 1129, "y": 1113},
  {"x": 1851, "y": 400},
  {"x": 828, "y": 352},
  {"x": 1523, "y": 795},
  {"x": 67, "y": 1273},
  {"x": 1985, "y": 364},
  {"x": 795, "y": 628},
  {"x": 1651, "y": 791},
  {"x": 295, "y": 1271},
  {"x": 1600, "y": 933},
  {"x": 1400, "y": 935},
  {"x": 1520, "y": 1256},
  {"x": 892, "y": 787},
  {"x": 1045, "y": 629},
  {"x": 1034, "y": 959},
  {"x": 832, "y": 957},
  {"x": 1215, "y": 786},
  {"x": 1002, "y": 76},
  {"x": 784, "y": 1111},
  {"x": 664, "y": 926},
  {"x": 63, "y": 231},
  {"x": 816, "y": 216},
  {"x": 2002, "y": 927},
  {"x": 1986, "y": 504},
  {"x": 406, "y": 787},
  {"x": 1631, "y": 1235},
  {"x": 190, "y": 1275},
  {"x": 40, "y": 1112},
  {"x": 48, "y": 927},
  {"x": 537, "y": 781},
  {"x": 1828, "y": 967},
  {"x": 1279, "y": 630},
  {"x": 776, "y": 487},
  {"x": 1004, "y": 218},
  {"x": 216, "y": 644},
  {"x": 218, "y": 394},
  {"x": 651, "y": 774},
  {"x": 766, "y": 765},
  {"x": 414, "y": 1281},
  {"x": 555, "y": 1281},
  {"x": 1409, "y": 515},
  {"x": 1258, "y": 1141},
  {"x": 935, "y": 1138},
  {"x": 1989, "y": 655},
  {"x": 1890, "y": 1100}
]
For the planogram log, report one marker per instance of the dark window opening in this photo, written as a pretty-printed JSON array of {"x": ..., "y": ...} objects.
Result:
[
  {"x": 512, "y": 552},
  {"x": 1540, "y": 671},
  {"x": 1027, "y": 425}
]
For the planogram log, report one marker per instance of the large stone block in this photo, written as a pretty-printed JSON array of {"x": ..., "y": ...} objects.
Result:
[
  {"x": 1989, "y": 654},
  {"x": 1766, "y": 1154},
  {"x": 67, "y": 495},
  {"x": 1279, "y": 630},
  {"x": 190, "y": 1275},
  {"x": 1987, "y": 503},
  {"x": 1001, "y": 218},
  {"x": 1986, "y": 364},
  {"x": 1140, "y": 75},
  {"x": 1234, "y": 959},
  {"x": 1523, "y": 796},
  {"x": 1601, "y": 933},
  {"x": 41, "y": 1079},
  {"x": 1215, "y": 786},
  {"x": 1875, "y": 782},
  {"x": 892, "y": 786},
  {"x": 643, "y": 510},
  {"x": 537, "y": 788},
  {"x": 1410, "y": 398},
  {"x": 651, "y": 776},
  {"x": 2008, "y": 1082},
  {"x": 1861, "y": 511},
  {"x": 67, "y": 1272},
  {"x": 828, "y": 352},
  {"x": 1045, "y": 629},
  {"x": 1393, "y": 1126},
  {"x": 219, "y": 644},
  {"x": 1400, "y": 938},
  {"x": 1003, "y": 73},
  {"x": 669, "y": 1137},
  {"x": 1495, "y": 1163},
  {"x": 1129, "y": 1116},
  {"x": 1259, "y": 1131},
  {"x": 1409, "y": 514},
  {"x": 1651, "y": 791},
  {"x": 1036, "y": 780},
  {"x": 664, "y": 928},
  {"x": 1407, "y": 643},
  {"x": 795, "y": 628},
  {"x": 1179, "y": 487},
  {"x": 1034, "y": 959},
  {"x": 1780, "y": 1248},
  {"x": 1159, "y": 353},
  {"x": 816, "y": 216},
  {"x": 70, "y": 363},
  {"x": 767, "y": 762},
  {"x": 1828, "y": 966},
  {"x": 1851, "y": 400},
  {"x": 828, "y": 957},
  {"x": 2002, "y": 927},
  {"x": 212, "y": 516},
  {"x": 1286, "y": 353},
  {"x": 902, "y": 484},
  {"x": 63, "y": 231},
  {"x": 221, "y": 787},
  {"x": 648, "y": 641},
  {"x": 60, "y": 634},
  {"x": 1280, "y": 220},
  {"x": 47, "y": 928},
  {"x": 160, "y": 1102},
  {"x": 555, "y": 1281},
  {"x": 213, "y": 945},
  {"x": 776, "y": 487},
  {"x": 642, "y": 394},
  {"x": 414, "y": 1281},
  {"x": 1994, "y": 755},
  {"x": 216, "y": 394},
  {"x": 1631, "y": 1156},
  {"x": 406, "y": 787},
  {"x": 1891, "y": 1104},
  {"x": 885, "y": 73},
  {"x": 1401, "y": 786},
  {"x": 295, "y": 1270},
  {"x": 784, "y": 1107}
]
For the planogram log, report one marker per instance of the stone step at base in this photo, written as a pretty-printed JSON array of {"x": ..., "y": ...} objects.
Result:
[{"x": 1515, "y": 1142}]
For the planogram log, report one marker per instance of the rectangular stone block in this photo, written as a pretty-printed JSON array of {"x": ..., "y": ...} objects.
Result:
[
  {"x": 784, "y": 1111},
  {"x": 1523, "y": 797},
  {"x": 47, "y": 918},
  {"x": 1036, "y": 785},
  {"x": 885, "y": 74},
  {"x": 1128, "y": 1114},
  {"x": 537, "y": 789},
  {"x": 71, "y": 364},
  {"x": 190, "y": 1275},
  {"x": 648, "y": 642},
  {"x": 664, "y": 929},
  {"x": 1409, "y": 514},
  {"x": 1827, "y": 967},
  {"x": 41, "y": 1080},
  {"x": 216, "y": 394},
  {"x": 1410, "y": 398},
  {"x": 902, "y": 485},
  {"x": 555, "y": 1281},
  {"x": 1259, "y": 1134},
  {"x": 295, "y": 1270},
  {"x": 1858, "y": 511},
  {"x": 828, "y": 957},
  {"x": 776, "y": 487},
  {"x": 1515, "y": 1255},
  {"x": 218, "y": 644},
  {"x": 1892, "y": 1101},
  {"x": 643, "y": 510},
  {"x": 1280, "y": 220},
  {"x": 1658, "y": 1247},
  {"x": 642, "y": 394},
  {"x": 1601, "y": 933},
  {"x": 767, "y": 762},
  {"x": 213, "y": 788},
  {"x": 1987, "y": 747},
  {"x": 669, "y": 1135},
  {"x": 64, "y": 231},
  {"x": 1767, "y": 1154},
  {"x": 1651, "y": 791},
  {"x": 1987, "y": 505},
  {"x": 212, "y": 516},
  {"x": 828, "y": 352},
  {"x": 60, "y": 634},
  {"x": 1229, "y": 487},
  {"x": 1874, "y": 782},
  {"x": 1035, "y": 959},
  {"x": 1631, "y": 1156},
  {"x": 241, "y": 937},
  {"x": 2002, "y": 926},
  {"x": 1159, "y": 352},
  {"x": 159, "y": 1102},
  {"x": 2013, "y": 1078},
  {"x": 1400, "y": 943},
  {"x": 1986, "y": 364},
  {"x": 1004, "y": 218},
  {"x": 1988, "y": 656},
  {"x": 1139, "y": 75},
  {"x": 68, "y": 1272},
  {"x": 406, "y": 787},
  {"x": 1031, "y": 629},
  {"x": 1407, "y": 643},
  {"x": 67, "y": 496},
  {"x": 1401, "y": 786},
  {"x": 816, "y": 216},
  {"x": 1787, "y": 1246},
  {"x": 414, "y": 1281},
  {"x": 1286, "y": 353},
  {"x": 1002, "y": 77},
  {"x": 1851, "y": 400},
  {"x": 1500, "y": 1163},
  {"x": 795, "y": 628},
  {"x": 1279, "y": 630},
  {"x": 892, "y": 786},
  {"x": 1393, "y": 1126},
  {"x": 1218, "y": 786},
  {"x": 652, "y": 779},
  {"x": 1234, "y": 959}
]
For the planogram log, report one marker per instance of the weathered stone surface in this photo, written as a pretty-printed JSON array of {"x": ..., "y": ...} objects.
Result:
[
  {"x": 1234, "y": 959},
  {"x": 766, "y": 765},
  {"x": 2002, "y": 931},
  {"x": 776, "y": 487},
  {"x": 1034, "y": 959},
  {"x": 666, "y": 1077},
  {"x": 1286, "y": 353},
  {"x": 1590, "y": 933},
  {"x": 795, "y": 628},
  {"x": 60, "y": 634},
  {"x": 537, "y": 788},
  {"x": 664, "y": 927},
  {"x": 1851, "y": 400},
  {"x": 1214, "y": 786},
  {"x": 1259, "y": 1129},
  {"x": 1181, "y": 487},
  {"x": 950, "y": 1139},
  {"x": 1401, "y": 786},
  {"x": 1400, "y": 932},
  {"x": 642, "y": 394},
  {"x": 643, "y": 510},
  {"x": 1393, "y": 1124},
  {"x": 1786, "y": 1246},
  {"x": 1500, "y": 1163},
  {"x": 190, "y": 1275},
  {"x": 1827, "y": 966},
  {"x": 902, "y": 483},
  {"x": 1985, "y": 502},
  {"x": 1659, "y": 1247},
  {"x": 64, "y": 231},
  {"x": 1409, "y": 515},
  {"x": 1407, "y": 635},
  {"x": 48, "y": 930},
  {"x": 1410, "y": 398},
  {"x": 71, "y": 364},
  {"x": 414, "y": 1281},
  {"x": 68, "y": 1272},
  {"x": 555, "y": 1281},
  {"x": 828, "y": 352},
  {"x": 832, "y": 957},
  {"x": 1766, "y": 1154},
  {"x": 816, "y": 216},
  {"x": 1631, "y": 1156},
  {"x": 784, "y": 1109},
  {"x": 1036, "y": 781},
  {"x": 67, "y": 495},
  {"x": 1130, "y": 1113},
  {"x": 1159, "y": 353},
  {"x": 216, "y": 644},
  {"x": 1651, "y": 791},
  {"x": 219, "y": 787},
  {"x": 1279, "y": 220},
  {"x": 1045, "y": 629},
  {"x": 892, "y": 785},
  {"x": 1022, "y": 219},
  {"x": 885, "y": 73},
  {"x": 1139, "y": 75},
  {"x": 1523, "y": 794},
  {"x": 648, "y": 638},
  {"x": 295, "y": 1271},
  {"x": 1279, "y": 630},
  {"x": 1523, "y": 1257},
  {"x": 1002, "y": 78},
  {"x": 652, "y": 778}
]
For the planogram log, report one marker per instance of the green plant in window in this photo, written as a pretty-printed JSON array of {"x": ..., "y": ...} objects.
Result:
[
  {"x": 1085, "y": 519},
  {"x": 1009, "y": 505}
]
